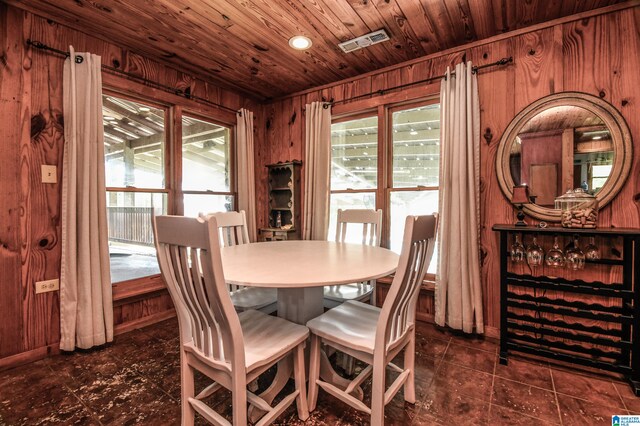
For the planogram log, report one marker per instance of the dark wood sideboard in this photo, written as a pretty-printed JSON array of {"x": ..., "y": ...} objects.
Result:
[{"x": 589, "y": 317}]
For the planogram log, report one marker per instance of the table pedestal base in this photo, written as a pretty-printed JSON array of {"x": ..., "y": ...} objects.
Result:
[{"x": 300, "y": 305}]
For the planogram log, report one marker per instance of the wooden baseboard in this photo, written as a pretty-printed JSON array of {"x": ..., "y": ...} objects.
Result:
[
  {"x": 29, "y": 356},
  {"x": 143, "y": 322},
  {"x": 492, "y": 332}
]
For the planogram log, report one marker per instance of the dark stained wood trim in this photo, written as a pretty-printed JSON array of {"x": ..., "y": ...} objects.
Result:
[
  {"x": 29, "y": 356},
  {"x": 127, "y": 291},
  {"x": 143, "y": 322},
  {"x": 133, "y": 90}
]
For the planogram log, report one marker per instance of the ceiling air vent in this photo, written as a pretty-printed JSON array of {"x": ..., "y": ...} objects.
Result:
[{"x": 364, "y": 41}]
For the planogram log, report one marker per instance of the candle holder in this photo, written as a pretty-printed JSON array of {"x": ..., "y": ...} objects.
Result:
[{"x": 519, "y": 198}]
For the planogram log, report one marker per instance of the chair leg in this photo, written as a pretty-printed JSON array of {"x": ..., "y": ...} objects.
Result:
[
  {"x": 373, "y": 300},
  {"x": 377, "y": 391},
  {"x": 239, "y": 398},
  {"x": 187, "y": 391},
  {"x": 301, "y": 383},
  {"x": 409, "y": 364},
  {"x": 314, "y": 371}
]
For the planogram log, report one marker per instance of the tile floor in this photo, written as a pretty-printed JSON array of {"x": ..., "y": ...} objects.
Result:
[{"x": 135, "y": 380}]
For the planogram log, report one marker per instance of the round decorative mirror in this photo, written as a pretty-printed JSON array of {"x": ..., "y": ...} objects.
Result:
[{"x": 564, "y": 141}]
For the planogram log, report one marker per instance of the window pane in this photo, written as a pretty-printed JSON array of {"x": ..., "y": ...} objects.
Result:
[
  {"x": 205, "y": 156},
  {"x": 131, "y": 248},
  {"x": 206, "y": 203},
  {"x": 133, "y": 142},
  {"x": 416, "y": 146},
  {"x": 354, "y": 154},
  {"x": 363, "y": 200},
  {"x": 414, "y": 203}
]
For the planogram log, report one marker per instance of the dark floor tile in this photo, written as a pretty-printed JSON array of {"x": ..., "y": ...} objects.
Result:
[
  {"x": 471, "y": 358},
  {"x": 32, "y": 394},
  {"x": 20, "y": 375},
  {"x": 165, "y": 330},
  {"x": 598, "y": 391},
  {"x": 127, "y": 397},
  {"x": 453, "y": 408},
  {"x": 426, "y": 367},
  {"x": 162, "y": 367},
  {"x": 427, "y": 420},
  {"x": 507, "y": 417},
  {"x": 430, "y": 346},
  {"x": 526, "y": 371},
  {"x": 399, "y": 412},
  {"x": 474, "y": 341},
  {"x": 631, "y": 402},
  {"x": 81, "y": 369},
  {"x": 580, "y": 412},
  {"x": 463, "y": 381},
  {"x": 528, "y": 400},
  {"x": 136, "y": 380},
  {"x": 432, "y": 330}
]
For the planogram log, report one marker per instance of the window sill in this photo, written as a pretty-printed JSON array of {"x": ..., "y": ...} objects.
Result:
[
  {"x": 139, "y": 288},
  {"x": 428, "y": 284}
]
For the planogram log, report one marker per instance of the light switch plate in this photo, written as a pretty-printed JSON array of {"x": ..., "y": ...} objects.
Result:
[
  {"x": 49, "y": 285},
  {"x": 49, "y": 174}
]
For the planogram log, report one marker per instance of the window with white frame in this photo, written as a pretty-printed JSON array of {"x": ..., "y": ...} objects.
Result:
[
  {"x": 387, "y": 159},
  {"x": 206, "y": 167},
  {"x": 135, "y": 170},
  {"x": 141, "y": 168}
]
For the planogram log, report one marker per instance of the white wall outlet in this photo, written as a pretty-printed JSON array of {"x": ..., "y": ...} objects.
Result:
[
  {"x": 49, "y": 285},
  {"x": 49, "y": 174}
]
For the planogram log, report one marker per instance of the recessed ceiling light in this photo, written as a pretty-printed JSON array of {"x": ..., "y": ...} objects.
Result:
[
  {"x": 413, "y": 133},
  {"x": 144, "y": 109},
  {"x": 109, "y": 118},
  {"x": 595, "y": 138},
  {"x": 300, "y": 42}
]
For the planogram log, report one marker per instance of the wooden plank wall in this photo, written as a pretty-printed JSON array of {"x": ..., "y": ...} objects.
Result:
[
  {"x": 32, "y": 134},
  {"x": 596, "y": 55}
]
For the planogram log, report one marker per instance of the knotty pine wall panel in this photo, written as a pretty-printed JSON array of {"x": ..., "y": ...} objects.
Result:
[
  {"x": 597, "y": 55},
  {"x": 32, "y": 133}
]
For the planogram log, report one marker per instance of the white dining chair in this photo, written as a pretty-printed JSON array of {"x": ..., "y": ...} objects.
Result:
[
  {"x": 371, "y": 222},
  {"x": 376, "y": 335},
  {"x": 232, "y": 228},
  {"x": 228, "y": 347}
]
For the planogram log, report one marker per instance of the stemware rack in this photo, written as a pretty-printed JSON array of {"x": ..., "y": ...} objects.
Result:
[{"x": 572, "y": 324}]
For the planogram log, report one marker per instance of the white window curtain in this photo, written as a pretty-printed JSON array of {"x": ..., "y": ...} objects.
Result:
[
  {"x": 317, "y": 171},
  {"x": 246, "y": 170},
  {"x": 458, "y": 288},
  {"x": 86, "y": 309}
]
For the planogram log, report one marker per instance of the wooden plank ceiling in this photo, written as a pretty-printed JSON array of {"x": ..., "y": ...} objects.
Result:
[{"x": 243, "y": 44}]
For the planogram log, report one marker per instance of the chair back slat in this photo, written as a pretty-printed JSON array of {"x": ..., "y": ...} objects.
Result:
[
  {"x": 399, "y": 308},
  {"x": 232, "y": 227},
  {"x": 189, "y": 256},
  {"x": 371, "y": 221}
]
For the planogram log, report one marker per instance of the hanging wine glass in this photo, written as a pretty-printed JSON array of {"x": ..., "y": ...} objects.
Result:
[
  {"x": 517, "y": 252},
  {"x": 555, "y": 256},
  {"x": 535, "y": 253},
  {"x": 592, "y": 252},
  {"x": 575, "y": 257}
]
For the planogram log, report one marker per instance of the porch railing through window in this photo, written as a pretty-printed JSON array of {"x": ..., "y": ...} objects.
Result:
[{"x": 131, "y": 225}]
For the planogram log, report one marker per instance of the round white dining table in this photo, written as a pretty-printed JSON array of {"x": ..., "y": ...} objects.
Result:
[{"x": 300, "y": 270}]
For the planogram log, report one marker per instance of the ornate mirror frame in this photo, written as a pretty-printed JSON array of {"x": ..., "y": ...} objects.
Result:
[{"x": 620, "y": 136}]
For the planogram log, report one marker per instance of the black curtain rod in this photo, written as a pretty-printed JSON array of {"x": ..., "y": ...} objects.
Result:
[
  {"x": 474, "y": 70},
  {"x": 154, "y": 84}
]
